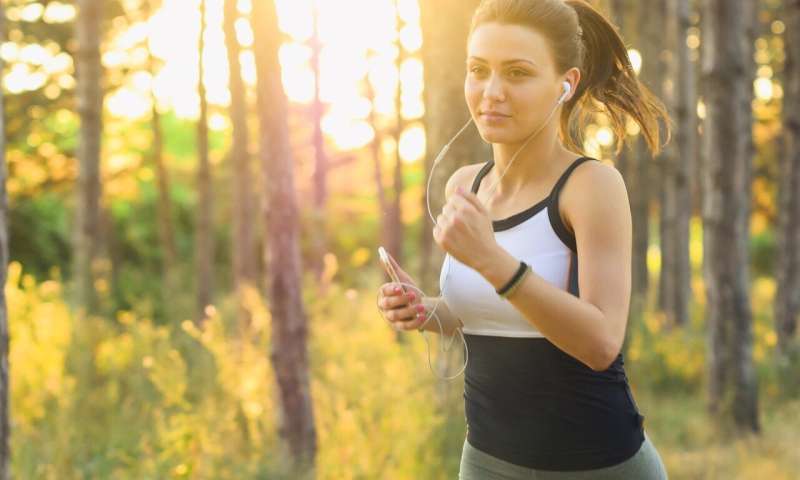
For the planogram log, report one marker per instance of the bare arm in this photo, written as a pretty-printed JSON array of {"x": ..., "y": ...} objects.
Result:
[{"x": 590, "y": 328}]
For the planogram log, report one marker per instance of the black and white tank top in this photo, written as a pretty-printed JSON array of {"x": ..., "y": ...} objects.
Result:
[{"x": 526, "y": 401}]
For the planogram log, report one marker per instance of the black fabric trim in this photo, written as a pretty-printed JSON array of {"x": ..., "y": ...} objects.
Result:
[
  {"x": 572, "y": 283},
  {"x": 551, "y": 199},
  {"x": 482, "y": 173},
  {"x": 555, "y": 217}
]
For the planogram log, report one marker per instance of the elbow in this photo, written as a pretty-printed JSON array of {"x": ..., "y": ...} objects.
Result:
[{"x": 604, "y": 357}]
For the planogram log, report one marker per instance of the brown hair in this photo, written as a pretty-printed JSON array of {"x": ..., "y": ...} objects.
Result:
[{"x": 580, "y": 36}]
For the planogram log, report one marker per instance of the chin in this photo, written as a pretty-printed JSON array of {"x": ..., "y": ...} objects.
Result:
[{"x": 492, "y": 135}]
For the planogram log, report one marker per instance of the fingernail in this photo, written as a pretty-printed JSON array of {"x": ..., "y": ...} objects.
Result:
[
  {"x": 420, "y": 308},
  {"x": 396, "y": 289}
]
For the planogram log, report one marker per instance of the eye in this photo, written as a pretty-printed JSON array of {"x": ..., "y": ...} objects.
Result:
[
  {"x": 518, "y": 73},
  {"x": 476, "y": 69}
]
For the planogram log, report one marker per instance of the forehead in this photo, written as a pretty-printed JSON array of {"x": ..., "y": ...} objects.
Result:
[{"x": 498, "y": 43}]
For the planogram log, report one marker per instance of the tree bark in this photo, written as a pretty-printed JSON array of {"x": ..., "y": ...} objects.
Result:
[
  {"x": 676, "y": 208},
  {"x": 290, "y": 327},
  {"x": 90, "y": 110},
  {"x": 244, "y": 248},
  {"x": 733, "y": 394},
  {"x": 649, "y": 37},
  {"x": 787, "y": 298},
  {"x": 444, "y": 52},
  {"x": 394, "y": 232},
  {"x": 204, "y": 247}
]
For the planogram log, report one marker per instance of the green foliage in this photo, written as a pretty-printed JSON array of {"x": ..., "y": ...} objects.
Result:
[
  {"x": 763, "y": 249},
  {"x": 39, "y": 233}
]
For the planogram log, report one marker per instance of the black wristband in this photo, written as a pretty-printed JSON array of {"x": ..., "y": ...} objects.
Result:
[{"x": 519, "y": 273}]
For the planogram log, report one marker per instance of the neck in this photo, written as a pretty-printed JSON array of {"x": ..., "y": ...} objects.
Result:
[{"x": 534, "y": 164}]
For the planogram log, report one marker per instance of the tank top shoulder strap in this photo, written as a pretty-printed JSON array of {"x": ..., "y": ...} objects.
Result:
[
  {"x": 553, "y": 212},
  {"x": 564, "y": 176},
  {"x": 482, "y": 173}
]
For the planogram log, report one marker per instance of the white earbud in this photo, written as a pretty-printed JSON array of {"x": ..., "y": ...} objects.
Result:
[{"x": 567, "y": 88}]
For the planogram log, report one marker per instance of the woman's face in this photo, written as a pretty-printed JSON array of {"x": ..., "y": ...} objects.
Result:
[{"x": 510, "y": 72}]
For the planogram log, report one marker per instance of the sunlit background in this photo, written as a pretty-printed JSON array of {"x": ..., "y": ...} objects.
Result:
[{"x": 350, "y": 57}]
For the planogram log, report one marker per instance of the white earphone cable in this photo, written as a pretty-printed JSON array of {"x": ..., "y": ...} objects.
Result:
[{"x": 432, "y": 314}]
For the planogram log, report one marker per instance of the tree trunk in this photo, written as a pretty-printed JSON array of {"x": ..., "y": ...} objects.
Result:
[
  {"x": 444, "y": 54},
  {"x": 90, "y": 109},
  {"x": 640, "y": 182},
  {"x": 290, "y": 327},
  {"x": 244, "y": 248},
  {"x": 204, "y": 248},
  {"x": 5, "y": 386},
  {"x": 166, "y": 229},
  {"x": 394, "y": 233},
  {"x": 676, "y": 208},
  {"x": 733, "y": 395},
  {"x": 787, "y": 299}
]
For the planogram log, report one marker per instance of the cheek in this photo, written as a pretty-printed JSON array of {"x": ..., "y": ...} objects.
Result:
[{"x": 473, "y": 93}]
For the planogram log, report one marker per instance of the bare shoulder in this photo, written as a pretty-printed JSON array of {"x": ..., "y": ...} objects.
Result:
[
  {"x": 589, "y": 183},
  {"x": 462, "y": 177}
]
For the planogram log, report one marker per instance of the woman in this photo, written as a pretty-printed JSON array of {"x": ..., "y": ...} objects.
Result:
[{"x": 546, "y": 395}]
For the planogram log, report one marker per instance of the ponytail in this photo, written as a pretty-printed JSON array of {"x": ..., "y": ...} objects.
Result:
[{"x": 608, "y": 78}]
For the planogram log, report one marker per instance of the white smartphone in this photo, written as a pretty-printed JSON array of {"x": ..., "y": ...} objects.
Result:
[{"x": 387, "y": 264}]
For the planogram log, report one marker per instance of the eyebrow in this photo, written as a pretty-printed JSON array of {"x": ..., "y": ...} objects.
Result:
[{"x": 515, "y": 60}]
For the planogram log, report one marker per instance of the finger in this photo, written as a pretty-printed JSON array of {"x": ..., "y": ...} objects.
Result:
[
  {"x": 399, "y": 301},
  {"x": 417, "y": 320},
  {"x": 391, "y": 288},
  {"x": 407, "y": 317},
  {"x": 401, "y": 314},
  {"x": 449, "y": 207}
]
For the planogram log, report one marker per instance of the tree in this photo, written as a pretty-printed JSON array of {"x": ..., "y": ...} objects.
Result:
[
  {"x": 676, "y": 206},
  {"x": 444, "y": 52},
  {"x": 166, "y": 229},
  {"x": 90, "y": 109},
  {"x": 244, "y": 249},
  {"x": 394, "y": 221},
  {"x": 787, "y": 299},
  {"x": 289, "y": 354},
  {"x": 638, "y": 167},
  {"x": 204, "y": 248},
  {"x": 733, "y": 391}
]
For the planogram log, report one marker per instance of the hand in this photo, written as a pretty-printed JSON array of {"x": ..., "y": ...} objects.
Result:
[
  {"x": 400, "y": 305},
  {"x": 464, "y": 230},
  {"x": 403, "y": 310}
]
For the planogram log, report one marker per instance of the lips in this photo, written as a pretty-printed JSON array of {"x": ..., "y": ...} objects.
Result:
[
  {"x": 491, "y": 113},
  {"x": 494, "y": 117}
]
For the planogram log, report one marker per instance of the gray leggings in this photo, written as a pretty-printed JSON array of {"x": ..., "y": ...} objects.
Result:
[{"x": 646, "y": 464}]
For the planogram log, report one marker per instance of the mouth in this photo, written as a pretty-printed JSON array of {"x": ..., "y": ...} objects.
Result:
[{"x": 494, "y": 116}]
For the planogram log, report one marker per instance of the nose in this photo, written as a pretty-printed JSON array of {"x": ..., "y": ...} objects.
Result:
[{"x": 493, "y": 90}]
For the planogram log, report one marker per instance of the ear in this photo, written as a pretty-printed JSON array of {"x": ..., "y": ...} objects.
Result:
[{"x": 573, "y": 77}]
